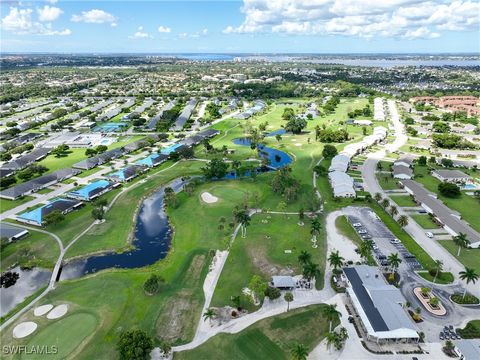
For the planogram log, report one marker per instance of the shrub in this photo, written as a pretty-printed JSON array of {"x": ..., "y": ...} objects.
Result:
[
  {"x": 152, "y": 285},
  {"x": 272, "y": 293},
  {"x": 468, "y": 299}
]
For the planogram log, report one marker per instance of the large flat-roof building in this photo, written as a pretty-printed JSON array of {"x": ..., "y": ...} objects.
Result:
[
  {"x": 92, "y": 190},
  {"x": 12, "y": 233},
  {"x": 452, "y": 176},
  {"x": 37, "y": 216},
  {"x": 379, "y": 305}
]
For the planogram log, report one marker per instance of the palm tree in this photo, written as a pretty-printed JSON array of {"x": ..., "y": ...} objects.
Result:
[
  {"x": 209, "y": 314},
  {"x": 366, "y": 248},
  {"x": 462, "y": 241},
  {"x": 331, "y": 339},
  {"x": 393, "y": 210},
  {"x": 385, "y": 203},
  {"x": 394, "y": 261},
  {"x": 236, "y": 165},
  {"x": 470, "y": 276},
  {"x": 403, "y": 220},
  {"x": 439, "y": 268},
  {"x": 331, "y": 313},
  {"x": 304, "y": 257},
  {"x": 315, "y": 228},
  {"x": 377, "y": 197},
  {"x": 288, "y": 298},
  {"x": 299, "y": 352},
  {"x": 310, "y": 270},
  {"x": 335, "y": 260},
  {"x": 243, "y": 219}
]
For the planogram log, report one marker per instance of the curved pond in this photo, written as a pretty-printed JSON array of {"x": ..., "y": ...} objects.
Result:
[
  {"x": 276, "y": 158},
  {"x": 152, "y": 237},
  {"x": 153, "y": 233}
]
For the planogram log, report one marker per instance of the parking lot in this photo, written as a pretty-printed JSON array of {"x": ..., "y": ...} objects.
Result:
[{"x": 369, "y": 226}]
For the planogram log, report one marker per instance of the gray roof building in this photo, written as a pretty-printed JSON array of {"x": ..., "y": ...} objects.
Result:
[
  {"x": 379, "y": 305},
  {"x": 25, "y": 160},
  {"x": 443, "y": 213},
  {"x": 185, "y": 115},
  {"x": 11, "y": 232},
  {"x": 402, "y": 172}
]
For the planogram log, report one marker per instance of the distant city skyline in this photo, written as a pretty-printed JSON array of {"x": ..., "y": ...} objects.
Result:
[{"x": 249, "y": 26}]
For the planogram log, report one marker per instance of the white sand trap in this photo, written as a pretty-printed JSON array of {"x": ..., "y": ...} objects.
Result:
[
  {"x": 24, "y": 329},
  {"x": 298, "y": 144},
  {"x": 42, "y": 310},
  {"x": 209, "y": 198},
  {"x": 58, "y": 312}
]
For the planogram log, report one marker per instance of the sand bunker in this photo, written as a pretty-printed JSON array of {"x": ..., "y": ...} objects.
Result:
[
  {"x": 42, "y": 310},
  {"x": 58, "y": 312},
  {"x": 24, "y": 329},
  {"x": 209, "y": 198}
]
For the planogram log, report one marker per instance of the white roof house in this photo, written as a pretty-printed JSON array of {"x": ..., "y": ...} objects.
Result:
[
  {"x": 453, "y": 176},
  {"x": 402, "y": 172},
  {"x": 339, "y": 162},
  {"x": 378, "y": 110},
  {"x": 342, "y": 184},
  {"x": 379, "y": 305}
]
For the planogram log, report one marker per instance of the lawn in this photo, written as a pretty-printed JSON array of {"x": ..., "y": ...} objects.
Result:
[
  {"x": 466, "y": 205},
  {"x": 6, "y": 205},
  {"x": 425, "y": 221},
  {"x": 442, "y": 278},
  {"x": 387, "y": 182},
  {"x": 403, "y": 200},
  {"x": 78, "y": 327},
  {"x": 270, "y": 338},
  {"x": 346, "y": 229},
  {"x": 471, "y": 330},
  {"x": 468, "y": 257},
  {"x": 262, "y": 253},
  {"x": 37, "y": 249}
]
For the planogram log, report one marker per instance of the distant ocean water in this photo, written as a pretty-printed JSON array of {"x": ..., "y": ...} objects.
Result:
[{"x": 346, "y": 60}]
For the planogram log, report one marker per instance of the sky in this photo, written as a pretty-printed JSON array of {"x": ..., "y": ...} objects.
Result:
[{"x": 248, "y": 26}]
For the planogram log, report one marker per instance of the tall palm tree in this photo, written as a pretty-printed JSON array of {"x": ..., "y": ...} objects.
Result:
[
  {"x": 304, "y": 257},
  {"x": 394, "y": 261},
  {"x": 243, "y": 219},
  {"x": 439, "y": 268},
  {"x": 335, "y": 260},
  {"x": 366, "y": 248},
  {"x": 331, "y": 340},
  {"x": 403, "y": 220},
  {"x": 393, "y": 210},
  {"x": 331, "y": 313},
  {"x": 315, "y": 228},
  {"x": 385, "y": 203},
  {"x": 310, "y": 270},
  {"x": 299, "y": 352},
  {"x": 209, "y": 314},
  {"x": 462, "y": 241},
  {"x": 288, "y": 298},
  {"x": 377, "y": 197},
  {"x": 470, "y": 276}
]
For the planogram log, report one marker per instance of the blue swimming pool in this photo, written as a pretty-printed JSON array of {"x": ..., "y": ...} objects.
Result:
[{"x": 469, "y": 187}]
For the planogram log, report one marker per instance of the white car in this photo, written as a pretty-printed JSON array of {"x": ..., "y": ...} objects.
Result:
[
  {"x": 429, "y": 234},
  {"x": 395, "y": 241},
  {"x": 357, "y": 225},
  {"x": 362, "y": 231}
]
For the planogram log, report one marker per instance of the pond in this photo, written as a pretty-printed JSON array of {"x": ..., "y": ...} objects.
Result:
[
  {"x": 152, "y": 237},
  {"x": 276, "y": 158},
  {"x": 28, "y": 282}
]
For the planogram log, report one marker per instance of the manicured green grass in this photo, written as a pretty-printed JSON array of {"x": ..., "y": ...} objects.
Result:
[
  {"x": 422, "y": 256},
  {"x": 466, "y": 205},
  {"x": 66, "y": 334},
  {"x": 442, "y": 278},
  {"x": 262, "y": 253},
  {"x": 10, "y": 204},
  {"x": 37, "y": 249},
  {"x": 425, "y": 221},
  {"x": 468, "y": 257},
  {"x": 403, "y": 200},
  {"x": 387, "y": 182},
  {"x": 271, "y": 338},
  {"x": 471, "y": 330},
  {"x": 89, "y": 172},
  {"x": 44, "y": 191}
]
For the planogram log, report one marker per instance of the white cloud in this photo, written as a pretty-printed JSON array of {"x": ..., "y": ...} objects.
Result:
[
  {"x": 19, "y": 21},
  {"x": 140, "y": 34},
  {"x": 410, "y": 19},
  {"x": 164, "y": 29},
  {"x": 52, "y": 1},
  {"x": 49, "y": 13},
  {"x": 196, "y": 34},
  {"x": 95, "y": 16}
]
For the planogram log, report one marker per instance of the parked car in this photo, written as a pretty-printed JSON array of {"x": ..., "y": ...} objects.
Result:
[
  {"x": 366, "y": 236},
  {"x": 394, "y": 241},
  {"x": 362, "y": 231},
  {"x": 357, "y": 224},
  {"x": 429, "y": 234}
]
